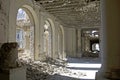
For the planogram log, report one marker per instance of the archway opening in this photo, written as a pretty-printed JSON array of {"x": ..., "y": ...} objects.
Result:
[
  {"x": 47, "y": 39},
  {"x": 94, "y": 45},
  {"x": 25, "y": 34},
  {"x": 60, "y": 43}
]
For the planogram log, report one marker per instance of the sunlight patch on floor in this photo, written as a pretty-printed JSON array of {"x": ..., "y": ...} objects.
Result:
[
  {"x": 83, "y": 70},
  {"x": 83, "y": 65}
]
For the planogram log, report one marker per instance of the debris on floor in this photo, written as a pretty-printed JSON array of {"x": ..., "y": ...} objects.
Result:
[{"x": 37, "y": 70}]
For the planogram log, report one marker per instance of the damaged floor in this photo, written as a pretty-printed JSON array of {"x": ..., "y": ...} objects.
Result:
[{"x": 73, "y": 69}]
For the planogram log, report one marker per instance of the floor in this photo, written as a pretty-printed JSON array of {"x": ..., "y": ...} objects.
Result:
[
  {"x": 75, "y": 69},
  {"x": 78, "y": 69}
]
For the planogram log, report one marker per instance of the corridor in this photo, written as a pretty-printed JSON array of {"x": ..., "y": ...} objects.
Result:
[{"x": 59, "y": 39}]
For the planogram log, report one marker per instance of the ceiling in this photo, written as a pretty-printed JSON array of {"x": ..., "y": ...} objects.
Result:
[{"x": 74, "y": 13}]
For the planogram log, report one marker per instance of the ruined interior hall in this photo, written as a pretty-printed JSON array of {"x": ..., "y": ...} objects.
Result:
[{"x": 59, "y": 40}]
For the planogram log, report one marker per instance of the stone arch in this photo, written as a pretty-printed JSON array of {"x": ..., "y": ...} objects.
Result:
[
  {"x": 52, "y": 36},
  {"x": 62, "y": 41},
  {"x": 47, "y": 36},
  {"x": 36, "y": 28},
  {"x": 28, "y": 6},
  {"x": 25, "y": 34},
  {"x": 60, "y": 44}
]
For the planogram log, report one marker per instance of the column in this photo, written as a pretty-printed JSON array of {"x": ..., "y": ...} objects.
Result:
[
  {"x": 82, "y": 42},
  {"x": 79, "y": 38},
  {"x": 10, "y": 67},
  {"x": 110, "y": 40}
]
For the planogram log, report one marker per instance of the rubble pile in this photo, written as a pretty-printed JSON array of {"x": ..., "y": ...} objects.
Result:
[{"x": 37, "y": 70}]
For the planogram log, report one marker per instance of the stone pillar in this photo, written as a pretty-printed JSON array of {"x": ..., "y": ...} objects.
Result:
[
  {"x": 4, "y": 17},
  {"x": 8, "y": 55},
  {"x": 10, "y": 68},
  {"x": 79, "y": 54},
  {"x": 110, "y": 41},
  {"x": 82, "y": 42}
]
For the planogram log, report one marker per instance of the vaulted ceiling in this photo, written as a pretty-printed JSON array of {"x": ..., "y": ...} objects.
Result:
[{"x": 74, "y": 13}]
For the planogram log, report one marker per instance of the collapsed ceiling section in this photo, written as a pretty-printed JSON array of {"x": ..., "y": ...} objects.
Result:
[{"x": 74, "y": 13}]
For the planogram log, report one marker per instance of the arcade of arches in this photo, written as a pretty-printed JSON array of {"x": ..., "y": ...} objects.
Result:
[{"x": 59, "y": 39}]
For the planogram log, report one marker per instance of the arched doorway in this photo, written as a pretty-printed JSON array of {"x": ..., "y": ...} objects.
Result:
[
  {"x": 25, "y": 34},
  {"x": 47, "y": 39}
]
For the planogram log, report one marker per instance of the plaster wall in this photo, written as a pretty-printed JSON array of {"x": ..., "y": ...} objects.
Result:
[
  {"x": 4, "y": 15},
  {"x": 70, "y": 42}
]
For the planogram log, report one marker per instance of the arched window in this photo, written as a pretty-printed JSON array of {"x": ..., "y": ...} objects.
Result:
[
  {"x": 25, "y": 34},
  {"x": 47, "y": 39},
  {"x": 60, "y": 43}
]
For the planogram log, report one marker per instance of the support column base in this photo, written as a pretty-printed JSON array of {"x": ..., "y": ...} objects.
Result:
[{"x": 13, "y": 74}]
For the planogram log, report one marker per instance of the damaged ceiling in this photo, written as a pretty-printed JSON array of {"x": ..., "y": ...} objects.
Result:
[{"x": 74, "y": 13}]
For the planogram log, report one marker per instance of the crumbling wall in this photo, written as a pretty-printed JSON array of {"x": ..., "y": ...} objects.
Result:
[
  {"x": 8, "y": 13},
  {"x": 87, "y": 37}
]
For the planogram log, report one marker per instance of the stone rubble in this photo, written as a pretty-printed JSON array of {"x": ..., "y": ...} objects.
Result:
[{"x": 37, "y": 70}]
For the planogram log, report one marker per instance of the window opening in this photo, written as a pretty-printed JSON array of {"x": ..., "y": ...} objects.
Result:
[
  {"x": 47, "y": 39},
  {"x": 24, "y": 35}
]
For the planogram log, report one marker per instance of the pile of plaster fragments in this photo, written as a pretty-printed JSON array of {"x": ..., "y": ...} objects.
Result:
[{"x": 48, "y": 70}]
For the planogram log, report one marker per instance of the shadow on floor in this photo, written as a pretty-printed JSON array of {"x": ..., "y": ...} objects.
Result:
[
  {"x": 61, "y": 77},
  {"x": 84, "y": 60}
]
